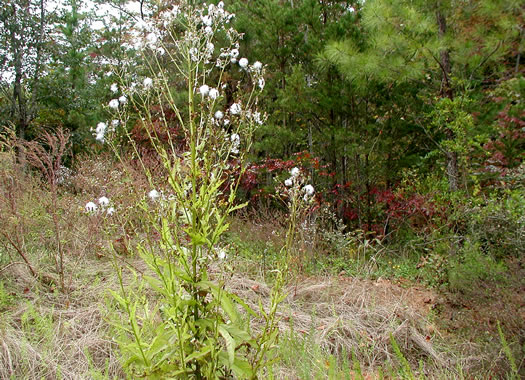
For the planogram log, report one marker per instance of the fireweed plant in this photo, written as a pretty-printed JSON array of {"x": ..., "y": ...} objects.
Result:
[{"x": 181, "y": 321}]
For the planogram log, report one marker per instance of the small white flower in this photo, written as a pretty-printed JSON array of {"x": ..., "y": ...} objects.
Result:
[
  {"x": 123, "y": 99},
  {"x": 235, "y": 109},
  {"x": 257, "y": 66},
  {"x": 235, "y": 138},
  {"x": 308, "y": 189},
  {"x": 113, "y": 103},
  {"x": 101, "y": 127},
  {"x": 91, "y": 207},
  {"x": 103, "y": 201},
  {"x": 152, "y": 38},
  {"x": 208, "y": 30},
  {"x": 194, "y": 54},
  {"x": 148, "y": 82},
  {"x": 114, "y": 88},
  {"x": 153, "y": 195},
  {"x": 243, "y": 62},
  {"x": 207, "y": 20},
  {"x": 226, "y": 122},
  {"x": 204, "y": 89},
  {"x": 295, "y": 172},
  {"x": 110, "y": 211},
  {"x": 288, "y": 182},
  {"x": 100, "y": 137},
  {"x": 115, "y": 123},
  {"x": 161, "y": 51},
  {"x": 219, "y": 115},
  {"x": 175, "y": 11},
  {"x": 234, "y": 53},
  {"x": 221, "y": 4},
  {"x": 233, "y": 60},
  {"x": 210, "y": 47},
  {"x": 221, "y": 254},
  {"x": 257, "y": 117},
  {"x": 236, "y": 141},
  {"x": 261, "y": 83},
  {"x": 214, "y": 93}
]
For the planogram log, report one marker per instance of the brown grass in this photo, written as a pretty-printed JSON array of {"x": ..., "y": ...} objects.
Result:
[
  {"x": 50, "y": 336},
  {"x": 352, "y": 315}
]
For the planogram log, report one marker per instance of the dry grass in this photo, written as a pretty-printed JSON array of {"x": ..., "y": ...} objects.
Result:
[
  {"x": 51, "y": 336},
  {"x": 345, "y": 315}
]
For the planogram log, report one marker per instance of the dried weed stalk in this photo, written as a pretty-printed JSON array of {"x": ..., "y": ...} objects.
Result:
[
  {"x": 45, "y": 154},
  {"x": 12, "y": 189}
]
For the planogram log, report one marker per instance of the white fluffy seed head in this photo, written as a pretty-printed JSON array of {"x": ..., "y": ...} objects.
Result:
[
  {"x": 148, "y": 82},
  {"x": 113, "y": 103},
  {"x": 235, "y": 109},
  {"x": 309, "y": 189},
  {"x": 243, "y": 62},
  {"x": 204, "y": 89},
  {"x": 91, "y": 207},
  {"x": 213, "y": 94},
  {"x": 153, "y": 194}
]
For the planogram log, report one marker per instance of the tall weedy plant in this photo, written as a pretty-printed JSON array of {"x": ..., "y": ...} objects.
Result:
[{"x": 201, "y": 125}]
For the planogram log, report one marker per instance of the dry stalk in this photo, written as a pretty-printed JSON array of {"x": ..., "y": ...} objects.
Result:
[{"x": 46, "y": 154}]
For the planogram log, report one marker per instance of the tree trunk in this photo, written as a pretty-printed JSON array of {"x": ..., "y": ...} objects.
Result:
[{"x": 447, "y": 91}]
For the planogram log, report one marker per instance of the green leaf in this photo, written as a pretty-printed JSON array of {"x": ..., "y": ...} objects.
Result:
[
  {"x": 229, "y": 307},
  {"x": 122, "y": 302},
  {"x": 196, "y": 238},
  {"x": 198, "y": 354},
  {"x": 166, "y": 233},
  {"x": 244, "y": 305},
  {"x": 237, "y": 207},
  {"x": 230, "y": 344},
  {"x": 240, "y": 336},
  {"x": 241, "y": 368}
]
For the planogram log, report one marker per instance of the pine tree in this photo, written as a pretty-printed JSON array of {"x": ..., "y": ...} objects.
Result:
[{"x": 445, "y": 44}]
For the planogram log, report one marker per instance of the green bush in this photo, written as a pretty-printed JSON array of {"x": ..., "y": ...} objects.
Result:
[
  {"x": 471, "y": 266},
  {"x": 498, "y": 224}
]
